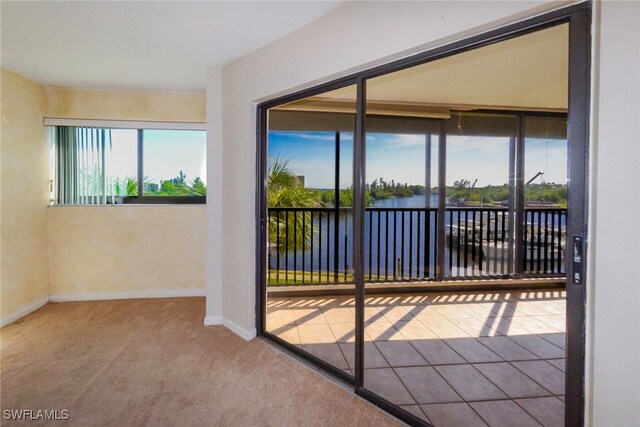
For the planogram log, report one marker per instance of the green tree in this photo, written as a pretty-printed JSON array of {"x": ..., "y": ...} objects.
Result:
[
  {"x": 127, "y": 186},
  {"x": 198, "y": 188},
  {"x": 346, "y": 198},
  {"x": 284, "y": 190}
]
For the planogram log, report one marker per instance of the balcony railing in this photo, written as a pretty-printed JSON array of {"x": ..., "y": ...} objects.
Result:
[{"x": 314, "y": 245}]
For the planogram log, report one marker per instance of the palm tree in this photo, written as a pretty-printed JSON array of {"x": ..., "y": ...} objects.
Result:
[
  {"x": 285, "y": 190},
  {"x": 188, "y": 188},
  {"x": 127, "y": 186},
  {"x": 198, "y": 187}
]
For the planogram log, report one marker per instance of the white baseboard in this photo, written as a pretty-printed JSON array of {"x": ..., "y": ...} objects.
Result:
[
  {"x": 128, "y": 295},
  {"x": 23, "y": 312},
  {"x": 246, "y": 334},
  {"x": 212, "y": 320}
]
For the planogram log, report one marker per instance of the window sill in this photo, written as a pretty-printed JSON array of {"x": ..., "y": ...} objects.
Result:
[
  {"x": 162, "y": 200},
  {"x": 130, "y": 205},
  {"x": 144, "y": 201}
]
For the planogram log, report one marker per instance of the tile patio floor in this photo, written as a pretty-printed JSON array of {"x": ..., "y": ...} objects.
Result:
[{"x": 453, "y": 359}]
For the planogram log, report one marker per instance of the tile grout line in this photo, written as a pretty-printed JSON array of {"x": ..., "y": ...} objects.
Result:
[
  {"x": 490, "y": 400},
  {"x": 552, "y": 343},
  {"x": 526, "y": 375},
  {"x": 463, "y": 400},
  {"x": 530, "y": 414},
  {"x": 558, "y": 331},
  {"x": 470, "y": 363},
  {"x": 505, "y": 393},
  {"x": 396, "y": 374},
  {"x": 346, "y": 361},
  {"x": 522, "y": 347}
]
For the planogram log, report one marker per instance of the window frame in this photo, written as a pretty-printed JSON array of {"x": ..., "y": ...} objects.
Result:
[{"x": 140, "y": 127}]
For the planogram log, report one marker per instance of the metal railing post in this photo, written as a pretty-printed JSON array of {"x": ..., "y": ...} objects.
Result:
[
  {"x": 336, "y": 210},
  {"x": 519, "y": 225},
  {"x": 442, "y": 200}
]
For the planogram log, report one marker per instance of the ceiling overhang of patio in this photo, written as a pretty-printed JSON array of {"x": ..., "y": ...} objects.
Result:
[{"x": 528, "y": 73}]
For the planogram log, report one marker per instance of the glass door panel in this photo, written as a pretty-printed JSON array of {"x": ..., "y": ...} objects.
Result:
[
  {"x": 445, "y": 204},
  {"x": 309, "y": 211},
  {"x": 401, "y": 234}
]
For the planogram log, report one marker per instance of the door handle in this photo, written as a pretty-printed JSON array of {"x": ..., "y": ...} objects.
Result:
[{"x": 577, "y": 260}]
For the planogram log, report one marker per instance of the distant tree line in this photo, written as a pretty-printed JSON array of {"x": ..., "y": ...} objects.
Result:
[
  {"x": 381, "y": 189},
  {"x": 462, "y": 192},
  {"x": 285, "y": 189},
  {"x": 327, "y": 197},
  {"x": 178, "y": 186}
]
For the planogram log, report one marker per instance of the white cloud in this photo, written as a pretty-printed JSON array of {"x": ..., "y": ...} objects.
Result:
[
  {"x": 394, "y": 141},
  {"x": 458, "y": 144},
  {"x": 319, "y": 136}
]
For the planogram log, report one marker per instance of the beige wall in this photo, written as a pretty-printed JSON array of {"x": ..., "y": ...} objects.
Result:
[
  {"x": 119, "y": 251},
  {"x": 126, "y": 250},
  {"x": 126, "y": 105},
  {"x": 613, "y": 343},
  {"x": 24, "y": 195}
]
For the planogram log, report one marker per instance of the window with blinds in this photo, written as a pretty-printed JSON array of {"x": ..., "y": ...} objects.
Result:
[{"x": 112, "y": 166}]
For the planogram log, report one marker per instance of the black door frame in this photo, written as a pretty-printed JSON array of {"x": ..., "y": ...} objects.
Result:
[{"x": 578, "y": 16}]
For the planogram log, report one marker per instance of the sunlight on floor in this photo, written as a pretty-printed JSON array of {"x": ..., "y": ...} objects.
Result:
[{"x": 449, "y": 358}]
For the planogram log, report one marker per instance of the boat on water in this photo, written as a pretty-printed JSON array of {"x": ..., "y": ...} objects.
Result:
[{"x": 487, "y": 241}]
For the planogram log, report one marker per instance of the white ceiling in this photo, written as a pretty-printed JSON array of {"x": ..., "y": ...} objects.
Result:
[{"x": 140, "y": 45}]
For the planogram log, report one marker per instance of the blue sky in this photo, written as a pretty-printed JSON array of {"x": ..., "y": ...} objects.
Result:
[
  {"x": 166, "y": 153},
  {"x": 402, "y": 157}
]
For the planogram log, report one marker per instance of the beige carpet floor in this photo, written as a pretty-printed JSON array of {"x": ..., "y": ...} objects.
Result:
[{"x": 152, "y": 362}]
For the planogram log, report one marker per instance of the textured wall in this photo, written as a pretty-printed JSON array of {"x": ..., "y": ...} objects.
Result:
[
  {"x": 614, "y": 293},
  {"x": 126, "y": 249},
  {"x": 24, "y": 194},
  {"x": 126, "y": 105}
]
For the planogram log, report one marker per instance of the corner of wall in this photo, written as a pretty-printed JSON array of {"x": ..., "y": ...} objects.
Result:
[
  {"x": 244, "y": 333},
  {"x": 212, "y": 320},
  {"x": 215, "y": 165},
  {"x": 591, "y": 232},
  {"x": 24, "y": 263}
]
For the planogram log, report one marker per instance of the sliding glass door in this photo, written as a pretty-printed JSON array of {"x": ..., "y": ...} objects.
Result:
[{"x": 412, "y": 221}]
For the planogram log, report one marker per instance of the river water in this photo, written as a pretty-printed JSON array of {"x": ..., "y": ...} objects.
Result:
[{"x": 405, "y": 202}]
